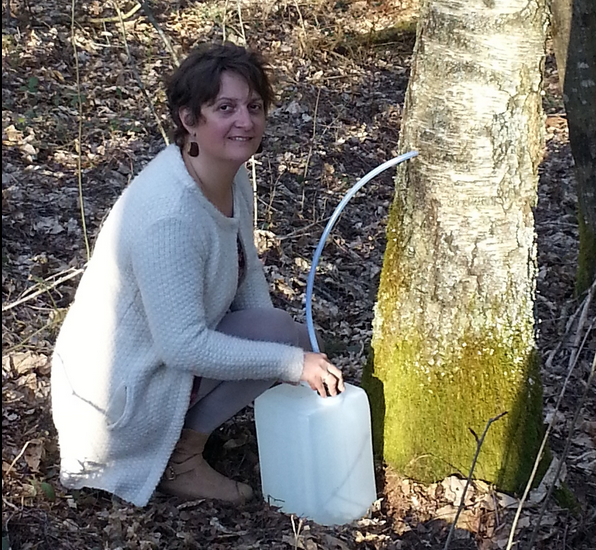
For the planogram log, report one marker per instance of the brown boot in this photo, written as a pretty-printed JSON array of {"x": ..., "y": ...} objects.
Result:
[{"x": 188, "y": 475}]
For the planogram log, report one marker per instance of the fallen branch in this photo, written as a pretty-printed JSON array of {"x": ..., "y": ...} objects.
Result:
[{"x": 461, "y": 506}]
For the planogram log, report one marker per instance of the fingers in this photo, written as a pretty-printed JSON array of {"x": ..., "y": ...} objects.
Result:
[
  {"x": 322, "y": 376},
  {"x": 319, "y": 387},
  {"x": 336, "y": 373},
  {"x": 330, "y": 384}
]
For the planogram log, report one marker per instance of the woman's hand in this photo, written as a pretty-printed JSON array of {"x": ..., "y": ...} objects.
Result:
[{"x": 321, "y": 375}]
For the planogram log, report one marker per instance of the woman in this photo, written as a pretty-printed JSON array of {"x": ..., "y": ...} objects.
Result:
[{"x": 172, "y": 330}]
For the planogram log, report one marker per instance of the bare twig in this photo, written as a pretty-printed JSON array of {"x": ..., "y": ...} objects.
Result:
[
  {"x": 238, "y": 4},
  {"x": 566, "y": 449},
  {"x": 302, "y": 34},
  {"x": 312, "y": 141},
  {"x": 115, "y": 18},
  {"x": 45, "y": 288},
  {"x": 223, "y": 22},
  {"x": 137, "y": 76},
  {"x": 22, "y": 344},
  {"x": 165, "y": 39},
  {"x": 253, "y": 169},
  {"x": 528, "y": 487},
  {"x": 569, "y": 325},
  {"x": 296, "y": 531},
  {"x": 304, "y": 230},
  {"x": 461, "y": 506},
  {"x": 271, "y": 208},
  {"x": 17, "y": 457},
  {"x": 272, "y": 192},
  {"x": 581, "y": 322},
  {"x": 6, "y": 501},
  {"x": 80, "y": 128}
]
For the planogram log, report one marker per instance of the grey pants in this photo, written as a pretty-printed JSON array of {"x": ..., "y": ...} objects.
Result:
[{"x": 218, "y": 400}]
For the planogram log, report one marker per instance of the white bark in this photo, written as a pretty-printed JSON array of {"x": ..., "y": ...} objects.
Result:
[{"x": 473, "y": 111}]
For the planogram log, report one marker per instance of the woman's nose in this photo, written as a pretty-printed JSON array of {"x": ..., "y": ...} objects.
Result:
[{"x": 244, "y": 119}]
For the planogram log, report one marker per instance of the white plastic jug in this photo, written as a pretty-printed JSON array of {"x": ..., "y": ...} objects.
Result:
[{"x": 315, "y": 454}]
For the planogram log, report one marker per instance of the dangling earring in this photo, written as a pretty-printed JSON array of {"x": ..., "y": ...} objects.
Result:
[
  {"x": 193, "y": 149},
  {"x": 259, "y": 149}
]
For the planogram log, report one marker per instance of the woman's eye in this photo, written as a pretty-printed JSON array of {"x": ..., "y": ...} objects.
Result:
[
  {"x": 225, "y": 108},
  {"x": 256, "y": 107}
]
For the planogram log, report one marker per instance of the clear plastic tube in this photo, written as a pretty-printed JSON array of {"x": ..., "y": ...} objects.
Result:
[{"x": 313, "y": 269}]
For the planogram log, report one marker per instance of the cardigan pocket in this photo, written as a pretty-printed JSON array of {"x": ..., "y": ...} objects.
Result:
[{"x": 119, "y": 408}]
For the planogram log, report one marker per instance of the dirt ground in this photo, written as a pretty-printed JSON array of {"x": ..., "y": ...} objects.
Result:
[{"x": 342, "y": 70}]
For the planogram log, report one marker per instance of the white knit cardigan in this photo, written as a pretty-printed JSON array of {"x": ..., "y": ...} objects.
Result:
[{"x": 163, "y": 273}]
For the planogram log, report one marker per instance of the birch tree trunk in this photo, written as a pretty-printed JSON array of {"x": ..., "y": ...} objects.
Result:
[
  {"x": 453, "y": 335},
  {"x": 574, "y": 38}
]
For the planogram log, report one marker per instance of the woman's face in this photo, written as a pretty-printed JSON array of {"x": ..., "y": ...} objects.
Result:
[{"x": 231, "y": 128}]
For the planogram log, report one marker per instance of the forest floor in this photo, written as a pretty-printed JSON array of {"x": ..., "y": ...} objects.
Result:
[{"x": 342, "y": 70}]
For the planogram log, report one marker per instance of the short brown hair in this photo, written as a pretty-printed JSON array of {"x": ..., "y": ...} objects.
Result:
[{"x": 197, "y": 80}]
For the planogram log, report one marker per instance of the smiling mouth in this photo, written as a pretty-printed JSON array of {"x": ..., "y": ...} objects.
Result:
[{"x": 241, "y": 138}]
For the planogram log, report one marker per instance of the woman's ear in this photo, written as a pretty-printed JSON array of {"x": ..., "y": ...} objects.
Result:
[{"x": 187, "y": 118}]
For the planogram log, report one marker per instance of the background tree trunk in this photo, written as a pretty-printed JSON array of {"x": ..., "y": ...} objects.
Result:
[
  {"x": 453, "y": 337},
  {"x": 574, "y": 39}
]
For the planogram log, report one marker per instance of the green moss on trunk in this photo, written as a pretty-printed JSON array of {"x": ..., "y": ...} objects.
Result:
[{"x": 428, "y": 412}]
